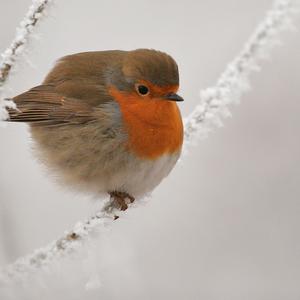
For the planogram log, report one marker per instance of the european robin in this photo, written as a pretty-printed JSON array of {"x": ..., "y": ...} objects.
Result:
[{"x": 107, "y": 121}]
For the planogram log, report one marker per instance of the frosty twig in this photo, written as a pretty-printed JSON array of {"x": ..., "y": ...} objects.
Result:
[
  {"x": 234, "y": 81},
  {"x": 13, "y": 52},
  {"x": 10, "y": 55},
  {"x": 64, "y": 246}
]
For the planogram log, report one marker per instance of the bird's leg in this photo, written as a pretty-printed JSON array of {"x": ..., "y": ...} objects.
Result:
[{"x": 120, "y": 199}]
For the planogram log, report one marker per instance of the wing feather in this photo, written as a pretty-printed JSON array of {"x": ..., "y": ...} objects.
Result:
[{"x": 43, "y": 105}]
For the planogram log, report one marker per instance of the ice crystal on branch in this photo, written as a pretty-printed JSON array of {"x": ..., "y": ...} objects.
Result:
[{"x": 3, "y": 112}]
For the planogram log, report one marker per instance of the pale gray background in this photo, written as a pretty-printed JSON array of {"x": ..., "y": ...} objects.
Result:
[{"x": 225, "y": 224}]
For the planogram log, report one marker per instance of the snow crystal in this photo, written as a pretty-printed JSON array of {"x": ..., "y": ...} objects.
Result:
[{"x": 4, "y": 104}]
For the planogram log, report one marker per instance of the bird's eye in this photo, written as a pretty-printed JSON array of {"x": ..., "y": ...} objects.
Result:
[{"x": 142, "y": 90}]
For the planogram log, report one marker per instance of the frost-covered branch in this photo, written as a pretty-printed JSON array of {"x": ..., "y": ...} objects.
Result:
[
  {"x": 234, "y": 81},
  {"x": 214, "y": 101},
  {"x": 11, "y": 54},
  {"x": 66, "y": 245}
]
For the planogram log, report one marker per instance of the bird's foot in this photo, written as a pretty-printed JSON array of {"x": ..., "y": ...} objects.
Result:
[{"x": 120, "y": 200}]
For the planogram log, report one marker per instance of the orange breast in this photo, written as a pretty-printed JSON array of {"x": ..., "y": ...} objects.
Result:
[{"x": 154, "y": 125}]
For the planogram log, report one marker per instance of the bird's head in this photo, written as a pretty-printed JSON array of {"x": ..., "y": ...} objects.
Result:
[{"x": 146, "y": 75}]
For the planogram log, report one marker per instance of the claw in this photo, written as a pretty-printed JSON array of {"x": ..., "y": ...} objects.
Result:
[{"x": 119, "y": 200}]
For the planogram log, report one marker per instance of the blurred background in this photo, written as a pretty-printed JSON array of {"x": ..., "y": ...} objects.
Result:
[{"x": 225, "y": 224}]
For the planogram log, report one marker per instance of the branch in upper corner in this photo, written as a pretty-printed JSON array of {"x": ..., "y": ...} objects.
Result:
[
  {"x": 234, "y": 81},
  {"x": 35, "y": 12}
]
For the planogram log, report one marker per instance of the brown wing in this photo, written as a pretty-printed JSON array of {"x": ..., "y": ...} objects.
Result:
[
  {"x": 43, "y": 105},
  {"x": 71, "y": 92}
]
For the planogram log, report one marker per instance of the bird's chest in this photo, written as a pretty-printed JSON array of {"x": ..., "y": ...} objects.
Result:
[
  {"x": 143, "y": 175},
  {"x": 154, "y": 128}
]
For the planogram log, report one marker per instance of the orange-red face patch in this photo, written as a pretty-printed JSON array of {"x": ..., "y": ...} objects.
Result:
[{"x": 154, "y": 124}]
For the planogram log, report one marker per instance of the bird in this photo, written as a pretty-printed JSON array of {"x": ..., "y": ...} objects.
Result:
[{"x": 107, "y": 121}]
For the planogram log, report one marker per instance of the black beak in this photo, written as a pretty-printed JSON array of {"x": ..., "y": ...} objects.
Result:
[{"x": 173, "y": 97}]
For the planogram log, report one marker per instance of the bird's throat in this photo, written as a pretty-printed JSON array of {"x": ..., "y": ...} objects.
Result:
[{"x": 154, "y": 125}]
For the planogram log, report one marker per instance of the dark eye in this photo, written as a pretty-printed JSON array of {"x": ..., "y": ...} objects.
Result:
[{"x": 142, "y": 90}]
